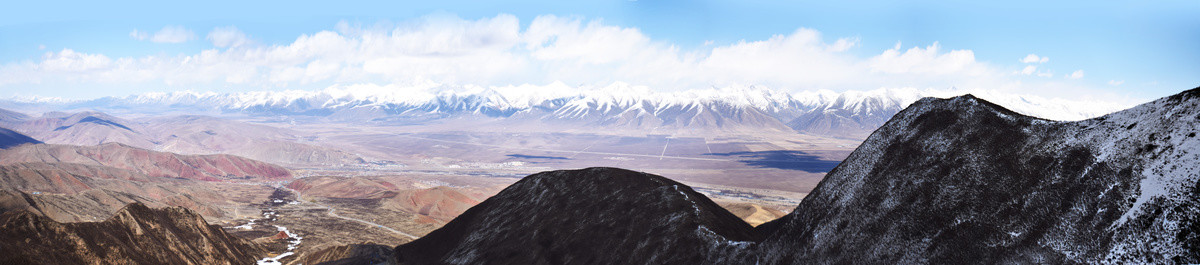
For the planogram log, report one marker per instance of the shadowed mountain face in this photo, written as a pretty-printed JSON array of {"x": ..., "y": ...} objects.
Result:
[
  {"x": 961, "y": 179},
  {"x": 9, "y": 138},
  {"x": 588, "y": 216},
  {"x": 134, "y": 235}
]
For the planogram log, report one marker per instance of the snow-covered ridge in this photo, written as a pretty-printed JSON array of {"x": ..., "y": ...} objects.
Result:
[{"x": 568, "y": 101}]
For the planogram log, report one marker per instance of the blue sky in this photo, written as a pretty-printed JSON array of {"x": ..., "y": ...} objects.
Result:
[{"x": 1121, "y": 48}]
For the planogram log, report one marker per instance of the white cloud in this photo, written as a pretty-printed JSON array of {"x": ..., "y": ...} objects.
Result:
[
  {"x": 1029, "y": 70},
  {"x": 1076, "y": 75},
  {"x": 929, "y": 60},
  {"x": 69, "y": 60},
  {"x": 844, "y": 44},
  {"x": 138, "y": 35},
  {"x": 227, "y": 37},
  {"x": 168, "y": 34},
  {"x": 563, "y": 39},
  {"x": 1033, "y": 58},
  {"x": 498, "y": 51},
  {"x": 1115, "y": 82},
  {"x": 801, "y": 58},
  {"x": 1033, "y": 70}
]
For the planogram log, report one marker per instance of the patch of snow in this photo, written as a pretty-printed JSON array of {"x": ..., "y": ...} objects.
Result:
[
  {"x": 247, "y": 226},
  {"x": 293, "y": 242},
  {"x": 275, "y": 260}
]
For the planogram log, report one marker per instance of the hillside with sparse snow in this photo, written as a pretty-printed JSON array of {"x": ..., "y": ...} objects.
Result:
[{"x": 963, "y": 179}]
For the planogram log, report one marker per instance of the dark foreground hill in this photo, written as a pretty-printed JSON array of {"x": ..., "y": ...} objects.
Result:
[
  {"x": 134, "y": 235},
  {"x": 961, "y": 179},
  {"x": 588, "y": 216}
]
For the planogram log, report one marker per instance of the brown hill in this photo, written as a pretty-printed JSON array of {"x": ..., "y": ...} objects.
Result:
[
  {"x": 353, "y": 254},
  {"x": 753, "y": 214},
  {"x": 75, "y": 192},
  {"x": 338, "y": 187},
  {"x": 150, "y": 163},
  {"x": 190, "y": 134},
  {"x": 135, "y": 235},
  {"x": 432, "y": 205},
  {"x": 441, "y": 204}
]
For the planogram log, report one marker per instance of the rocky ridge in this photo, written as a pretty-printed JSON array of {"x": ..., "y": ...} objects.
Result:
[{"x": 134, "y": 235}]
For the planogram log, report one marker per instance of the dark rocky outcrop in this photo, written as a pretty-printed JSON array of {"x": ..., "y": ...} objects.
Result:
[
  {"x": 134, "y": 235},
  {"x": 587, "y": 216}
]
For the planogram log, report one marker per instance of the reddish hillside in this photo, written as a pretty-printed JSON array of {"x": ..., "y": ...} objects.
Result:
[
  {"x": 432, "y": 205},
  {"x": 441, "y": 204},
  {"x": 74, "y": 192},
  {"x": 150, "y": 163},
  {"x": 336, "y": 187}
]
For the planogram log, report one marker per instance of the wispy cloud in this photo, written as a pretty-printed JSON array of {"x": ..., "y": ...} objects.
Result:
[
  {"x": 227, "y": 37},
  {"x": 1033, "y": 58},
  {"x": 1115, "y": 82},
  {"x": 1076, "y": 75},
  {"x": 1029, "y": 70},
  {"x": 168, "y": 34}
]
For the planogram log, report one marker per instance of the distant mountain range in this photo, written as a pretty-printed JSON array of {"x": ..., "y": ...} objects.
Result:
[
  {"x": 184, "y": 134},
  {"x": 852, "y": 114}
]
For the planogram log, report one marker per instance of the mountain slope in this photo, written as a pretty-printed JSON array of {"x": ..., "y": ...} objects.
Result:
[
  {"x": 353, "y": 254},
  {"x": 69, "y": 192},
  {"x": 587, "y": 216},
  {"x": 85, "y": 128},
  {"x": 150, "y": 163},
  {"x": 9, "y": 117},
  {"x": 190, "y": 134},
  {"x": 10, "y": 138},
  {"x": 134, "y": 235},
  {"x": 962, "y": 179}
]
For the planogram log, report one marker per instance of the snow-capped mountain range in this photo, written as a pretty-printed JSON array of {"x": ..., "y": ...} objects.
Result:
[{"x": 853, "y": 113}]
